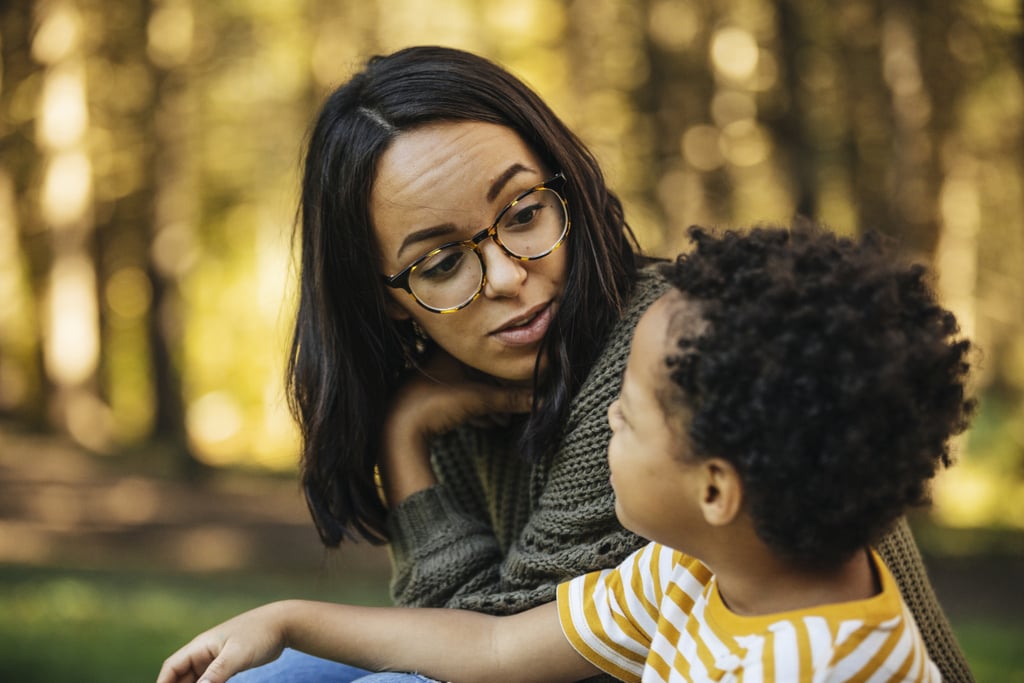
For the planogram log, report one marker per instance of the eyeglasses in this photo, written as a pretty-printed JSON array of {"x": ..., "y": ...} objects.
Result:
[{"x": 452, "y": 276}]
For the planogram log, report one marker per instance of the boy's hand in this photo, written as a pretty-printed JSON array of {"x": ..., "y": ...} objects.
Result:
[
  {"x": 250, "y": 639},
  {"x": 446, "y": 644}
]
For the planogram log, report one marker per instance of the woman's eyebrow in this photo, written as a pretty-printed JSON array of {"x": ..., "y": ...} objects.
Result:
[
  {"x": 425, "y": 234},
  {"x": 499, "y": 184}
]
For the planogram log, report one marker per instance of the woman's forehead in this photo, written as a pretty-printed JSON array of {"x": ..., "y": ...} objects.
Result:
[
  {"x": 449, "y": 154},
  {"x": 443, "y": 178}
]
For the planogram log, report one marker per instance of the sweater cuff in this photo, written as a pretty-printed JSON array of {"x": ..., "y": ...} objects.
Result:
[{"x": 421, "y": 518}]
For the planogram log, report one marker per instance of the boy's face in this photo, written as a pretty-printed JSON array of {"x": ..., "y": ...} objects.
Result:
[{"x": 650, "y": 454}]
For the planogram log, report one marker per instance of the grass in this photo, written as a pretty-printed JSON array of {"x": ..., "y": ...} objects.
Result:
[
  {"x": 994, "y": 650},
  {"x": 116, "y": 627},
  {"x": 90, "y": 627}
]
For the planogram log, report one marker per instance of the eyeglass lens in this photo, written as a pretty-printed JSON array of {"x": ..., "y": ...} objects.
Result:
[{"x": 531, "y": 228}]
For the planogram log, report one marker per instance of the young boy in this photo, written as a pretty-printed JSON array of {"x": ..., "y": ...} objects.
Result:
[{"x": 782, "y": 405}]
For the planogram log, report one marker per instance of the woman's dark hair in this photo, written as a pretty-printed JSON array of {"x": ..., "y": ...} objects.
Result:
[
  {"x": 347, "y": 356},
  {"x": 827, "y": 375}
]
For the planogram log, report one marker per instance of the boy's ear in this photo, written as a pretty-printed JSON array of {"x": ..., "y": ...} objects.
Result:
[{"x": 721, "y": 492}]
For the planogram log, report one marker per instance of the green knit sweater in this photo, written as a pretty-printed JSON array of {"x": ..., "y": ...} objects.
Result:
[{"x": 497, "y": 534}]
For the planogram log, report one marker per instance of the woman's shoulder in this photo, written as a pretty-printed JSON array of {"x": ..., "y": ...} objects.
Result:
[
  {"x": 649, "y": 286},
  {"x": 604, "y": 379}
]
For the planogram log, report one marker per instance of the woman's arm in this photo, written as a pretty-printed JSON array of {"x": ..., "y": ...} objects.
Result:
[
  {"x": 499, "y": 533},
  {"x": 431, "y": 402},
  {"x": 903, "y": 559},
  {"x": 442, "y": 539},
  {"x": 441, "y": 643}
]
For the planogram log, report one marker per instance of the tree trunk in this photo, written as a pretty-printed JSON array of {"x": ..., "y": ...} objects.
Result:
[{"x": 25, "y": 389}]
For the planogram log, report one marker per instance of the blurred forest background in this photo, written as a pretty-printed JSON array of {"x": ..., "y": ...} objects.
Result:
[{"x": 149, "y": 156}]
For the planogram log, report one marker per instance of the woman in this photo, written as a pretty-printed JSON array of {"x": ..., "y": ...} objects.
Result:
[{"x": 469, "y": 288}]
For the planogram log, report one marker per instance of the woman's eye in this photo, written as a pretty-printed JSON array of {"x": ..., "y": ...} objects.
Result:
[
  {"x": 443, "y": 265},
  {"x": 524, "y": 216}
]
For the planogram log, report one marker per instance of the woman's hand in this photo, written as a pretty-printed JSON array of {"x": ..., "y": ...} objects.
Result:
[
  {"x": 250, "y": 639},
  {"x": 435, "y": 400}
]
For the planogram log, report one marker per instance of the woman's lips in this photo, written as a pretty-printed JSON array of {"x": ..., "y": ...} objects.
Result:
[{"x": 530, "y": 331}]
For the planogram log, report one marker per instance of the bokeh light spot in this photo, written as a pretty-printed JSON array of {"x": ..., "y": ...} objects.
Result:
[{"x": 734, "y": 53}]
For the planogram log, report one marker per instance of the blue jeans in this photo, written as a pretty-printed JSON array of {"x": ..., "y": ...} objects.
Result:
[{"x": 297, "y": 667}]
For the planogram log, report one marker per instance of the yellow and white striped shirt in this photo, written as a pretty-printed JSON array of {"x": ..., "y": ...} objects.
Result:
[{"x": 659, "y": 617}]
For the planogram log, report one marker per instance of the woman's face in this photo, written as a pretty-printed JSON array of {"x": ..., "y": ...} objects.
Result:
[{"x": 445, "y": 182}]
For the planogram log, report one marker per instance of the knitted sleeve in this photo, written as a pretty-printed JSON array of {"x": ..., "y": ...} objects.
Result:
[
  {"x": 443, "y": 540},
  {"x": 499, "y": 534},
  {"x": 901, "y": 555}
]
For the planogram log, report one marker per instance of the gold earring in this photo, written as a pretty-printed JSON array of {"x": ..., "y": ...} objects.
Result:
[{"x": 420, "y": 338}]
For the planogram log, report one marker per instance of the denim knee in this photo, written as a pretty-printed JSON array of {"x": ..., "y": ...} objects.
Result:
[
  {"x": 297, "y": 667},
  {"x": 392, "y": 677}
]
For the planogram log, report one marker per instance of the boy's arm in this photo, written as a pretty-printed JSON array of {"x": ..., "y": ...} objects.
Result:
[{"x": 445, "y": 644}]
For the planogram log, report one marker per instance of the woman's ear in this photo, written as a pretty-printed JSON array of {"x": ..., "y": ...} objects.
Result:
[
  {"x": 393, "y": 310},
  {"x": 721, "y": 492}
]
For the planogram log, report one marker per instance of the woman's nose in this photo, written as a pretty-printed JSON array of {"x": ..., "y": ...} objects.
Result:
[{"x": 505, "y": 275}]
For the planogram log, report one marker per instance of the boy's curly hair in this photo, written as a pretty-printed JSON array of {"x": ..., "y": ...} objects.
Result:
[{"x": 828, "y": 375}]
